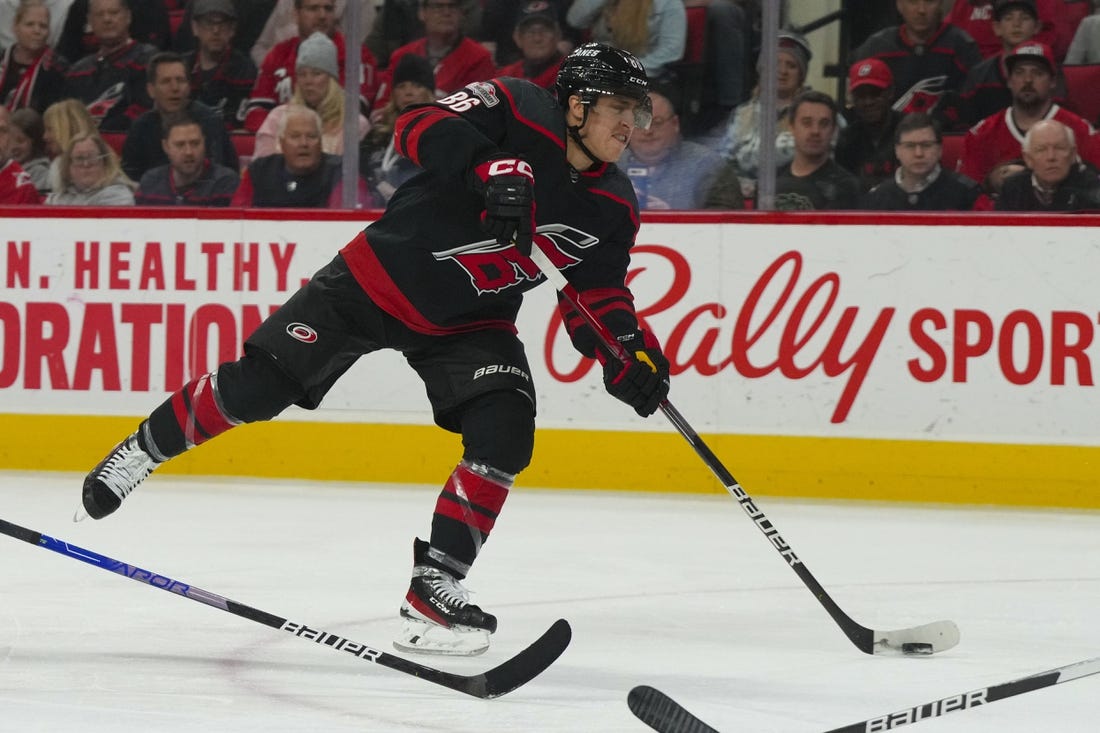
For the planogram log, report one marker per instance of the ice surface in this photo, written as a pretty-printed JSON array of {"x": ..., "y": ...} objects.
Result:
[{"x": 678, "y": 592}]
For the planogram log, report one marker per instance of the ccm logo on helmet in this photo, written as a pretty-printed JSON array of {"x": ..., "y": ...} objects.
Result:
[
  {"x": 511, "y": 165},
  {"x": 302, "y": 332}
]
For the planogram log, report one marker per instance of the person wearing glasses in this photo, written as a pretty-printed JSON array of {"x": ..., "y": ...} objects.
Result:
[
  {"x": 538, "y": 37},
  {"x": 667, "y": 171},
  {"x": 456, "y": 59},
  {"x": 221, "y": 75},
  {"x": 91, "y": 175},
  {"x": 920, "y": 183}
]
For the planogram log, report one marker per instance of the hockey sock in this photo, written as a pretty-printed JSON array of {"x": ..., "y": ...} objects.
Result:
[
  {"x": 190, "y": 417},
  {"x": 465, "y": 513}
]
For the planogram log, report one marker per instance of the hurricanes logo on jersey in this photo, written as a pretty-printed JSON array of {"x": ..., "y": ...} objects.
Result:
[{"x": 493, "y": 267}]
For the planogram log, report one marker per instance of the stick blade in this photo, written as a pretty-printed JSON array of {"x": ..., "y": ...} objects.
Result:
[
  {"x": 932, "y": 638},
  {"x": 663, "y": 714},
  {"x": 525, "y": 666}
]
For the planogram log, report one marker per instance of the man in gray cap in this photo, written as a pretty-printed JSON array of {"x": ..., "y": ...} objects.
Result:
[{"x": 221, "y": 76}]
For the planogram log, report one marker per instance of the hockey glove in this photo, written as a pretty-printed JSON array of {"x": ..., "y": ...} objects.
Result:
[
  {"x": 642, "y": 381},
  {"x": 508, "y": 186}
]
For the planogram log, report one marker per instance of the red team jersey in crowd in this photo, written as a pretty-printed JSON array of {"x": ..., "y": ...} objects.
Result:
[
  {"x": 16, "y": 186},
  {"x": 997, "y": 138},
  {"x": 275, "y": 82},
  {"x": 442, "y": 274},
  {"x": 467, "y": 62},
  {"x": 976, "y": 18},
  {"x": 923, "y": 72}
]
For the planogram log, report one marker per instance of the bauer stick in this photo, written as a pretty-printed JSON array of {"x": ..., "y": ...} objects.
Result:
[
  {"x": 499, "y": 680},
  {"x": 661, "y": 713},
  {"x": 927, "y": 639}
]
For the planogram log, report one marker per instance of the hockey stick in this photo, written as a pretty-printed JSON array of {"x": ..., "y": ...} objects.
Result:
[
  {"x": 497, "y": 681},
  {"x": 662, "y": 713},
  {"x": 925, "y": 639}
]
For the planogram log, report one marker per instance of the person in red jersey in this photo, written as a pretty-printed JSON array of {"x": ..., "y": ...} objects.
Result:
[
  {"x": 456, "y": 59},
  {"x": 999, "y": 137},
  {"x": 441, "y": 277},
  {"x": 16, "y": 186},
  {"x": 275, "y": 82}
]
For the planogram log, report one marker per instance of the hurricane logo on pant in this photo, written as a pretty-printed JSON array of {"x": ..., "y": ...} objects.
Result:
[{"x": 302, "y": 332}]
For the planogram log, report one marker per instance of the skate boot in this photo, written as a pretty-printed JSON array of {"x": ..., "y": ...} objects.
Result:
[
  {"x": 436, "y": 615},
  {"x": 114, "y": 478}
]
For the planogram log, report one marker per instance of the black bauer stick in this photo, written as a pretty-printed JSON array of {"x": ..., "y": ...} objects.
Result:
[
  {"x": 927, "y": 639},
  {"x": 661, "y": 713},
  {"x": 500, "y": 680}
]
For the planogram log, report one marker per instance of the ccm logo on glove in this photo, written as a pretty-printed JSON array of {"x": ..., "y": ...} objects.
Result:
[{"x": 506, "y": 166}]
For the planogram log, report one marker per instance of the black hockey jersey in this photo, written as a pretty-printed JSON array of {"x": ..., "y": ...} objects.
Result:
[
  {"x": 428, "y": 262},
  {"x": 922, "y": 72}
]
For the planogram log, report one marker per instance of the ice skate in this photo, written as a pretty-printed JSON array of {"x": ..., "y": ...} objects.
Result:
[
  {"x": 114, "y": 478},
  {"x": 436, "y": 615}
]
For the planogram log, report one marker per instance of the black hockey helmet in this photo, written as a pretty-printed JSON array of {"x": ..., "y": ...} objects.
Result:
[{"x": 595, "y": 69}]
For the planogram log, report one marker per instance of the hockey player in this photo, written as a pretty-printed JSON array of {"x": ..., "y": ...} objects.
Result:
[{"x": 501, "y": 156}]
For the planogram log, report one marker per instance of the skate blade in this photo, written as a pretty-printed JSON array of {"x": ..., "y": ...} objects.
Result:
[
  {"x": 420, "y": 637},
  {"x": 80, "y": 514}
]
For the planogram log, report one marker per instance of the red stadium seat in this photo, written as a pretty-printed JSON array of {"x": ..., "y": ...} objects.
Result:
[
  {"x": 114, "y": 139},
  {"x": 952, "y": 149},
  {"x": 1082, "y": 83},
  {"x": 244, "y": 142}
]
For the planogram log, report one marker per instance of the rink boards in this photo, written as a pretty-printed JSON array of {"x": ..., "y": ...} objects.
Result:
[{"x": 938, "y": 358}]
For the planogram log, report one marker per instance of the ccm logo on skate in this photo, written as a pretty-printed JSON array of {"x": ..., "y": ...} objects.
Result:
[
  {"x": 501, "y": 369},
  {"x": 302, "y": 332}
]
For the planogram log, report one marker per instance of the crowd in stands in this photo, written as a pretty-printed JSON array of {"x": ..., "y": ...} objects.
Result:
[{"x": 947, "y": 104}]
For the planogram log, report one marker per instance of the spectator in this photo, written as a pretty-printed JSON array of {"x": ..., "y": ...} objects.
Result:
[
  {"x": 538, "y": 37},
  {"x": 985, "y": 90},
  {"x": 732, "y": 38},
  {"x": 149, "y": 24},
  {"x": 398, "y": 23},
  {"x": 275, "y": 82},
  {"x": 813, "y": 180},
  {"x": 498, "y": 25},
  {"x": 1055, "y": 178},
  {"x": 282, "y": 24},
  {"x": 91, "y": 176},
  {"x": 170, "y": 91},
  {"x": 111, "y": 81},
  {"x": 1031, "y": 73},
  {"x": 927, "y": 56},
  {"x": 995, "y": 181},
  {"x": 31, "y": 74},
  {"x": 653, "y": 30},
  {"x": 667, "y": 171},
  {"x": 741, "y": 144},
  {"x": 976, "y": 18},
  {"x": 189, "y": 178},
  {"x": 221, "y": 76},
  {"x": 58, "y": 11},
  {"x": 866, "y": 146},
  {"x": 16, "y": 186},
  {"x": 28, "y": 147},
  {"x": 256, "y": 13},
  {"x": 920, "y": 183},
  {"x": 302, "y": 176},
  {"x": 1085, "y": 47},
  {"x": 379, "y": 163},
  {"x": 456, "y": 59},
  {"x": 316, "y": 87},
  {"x": 61, "y": 122}
]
